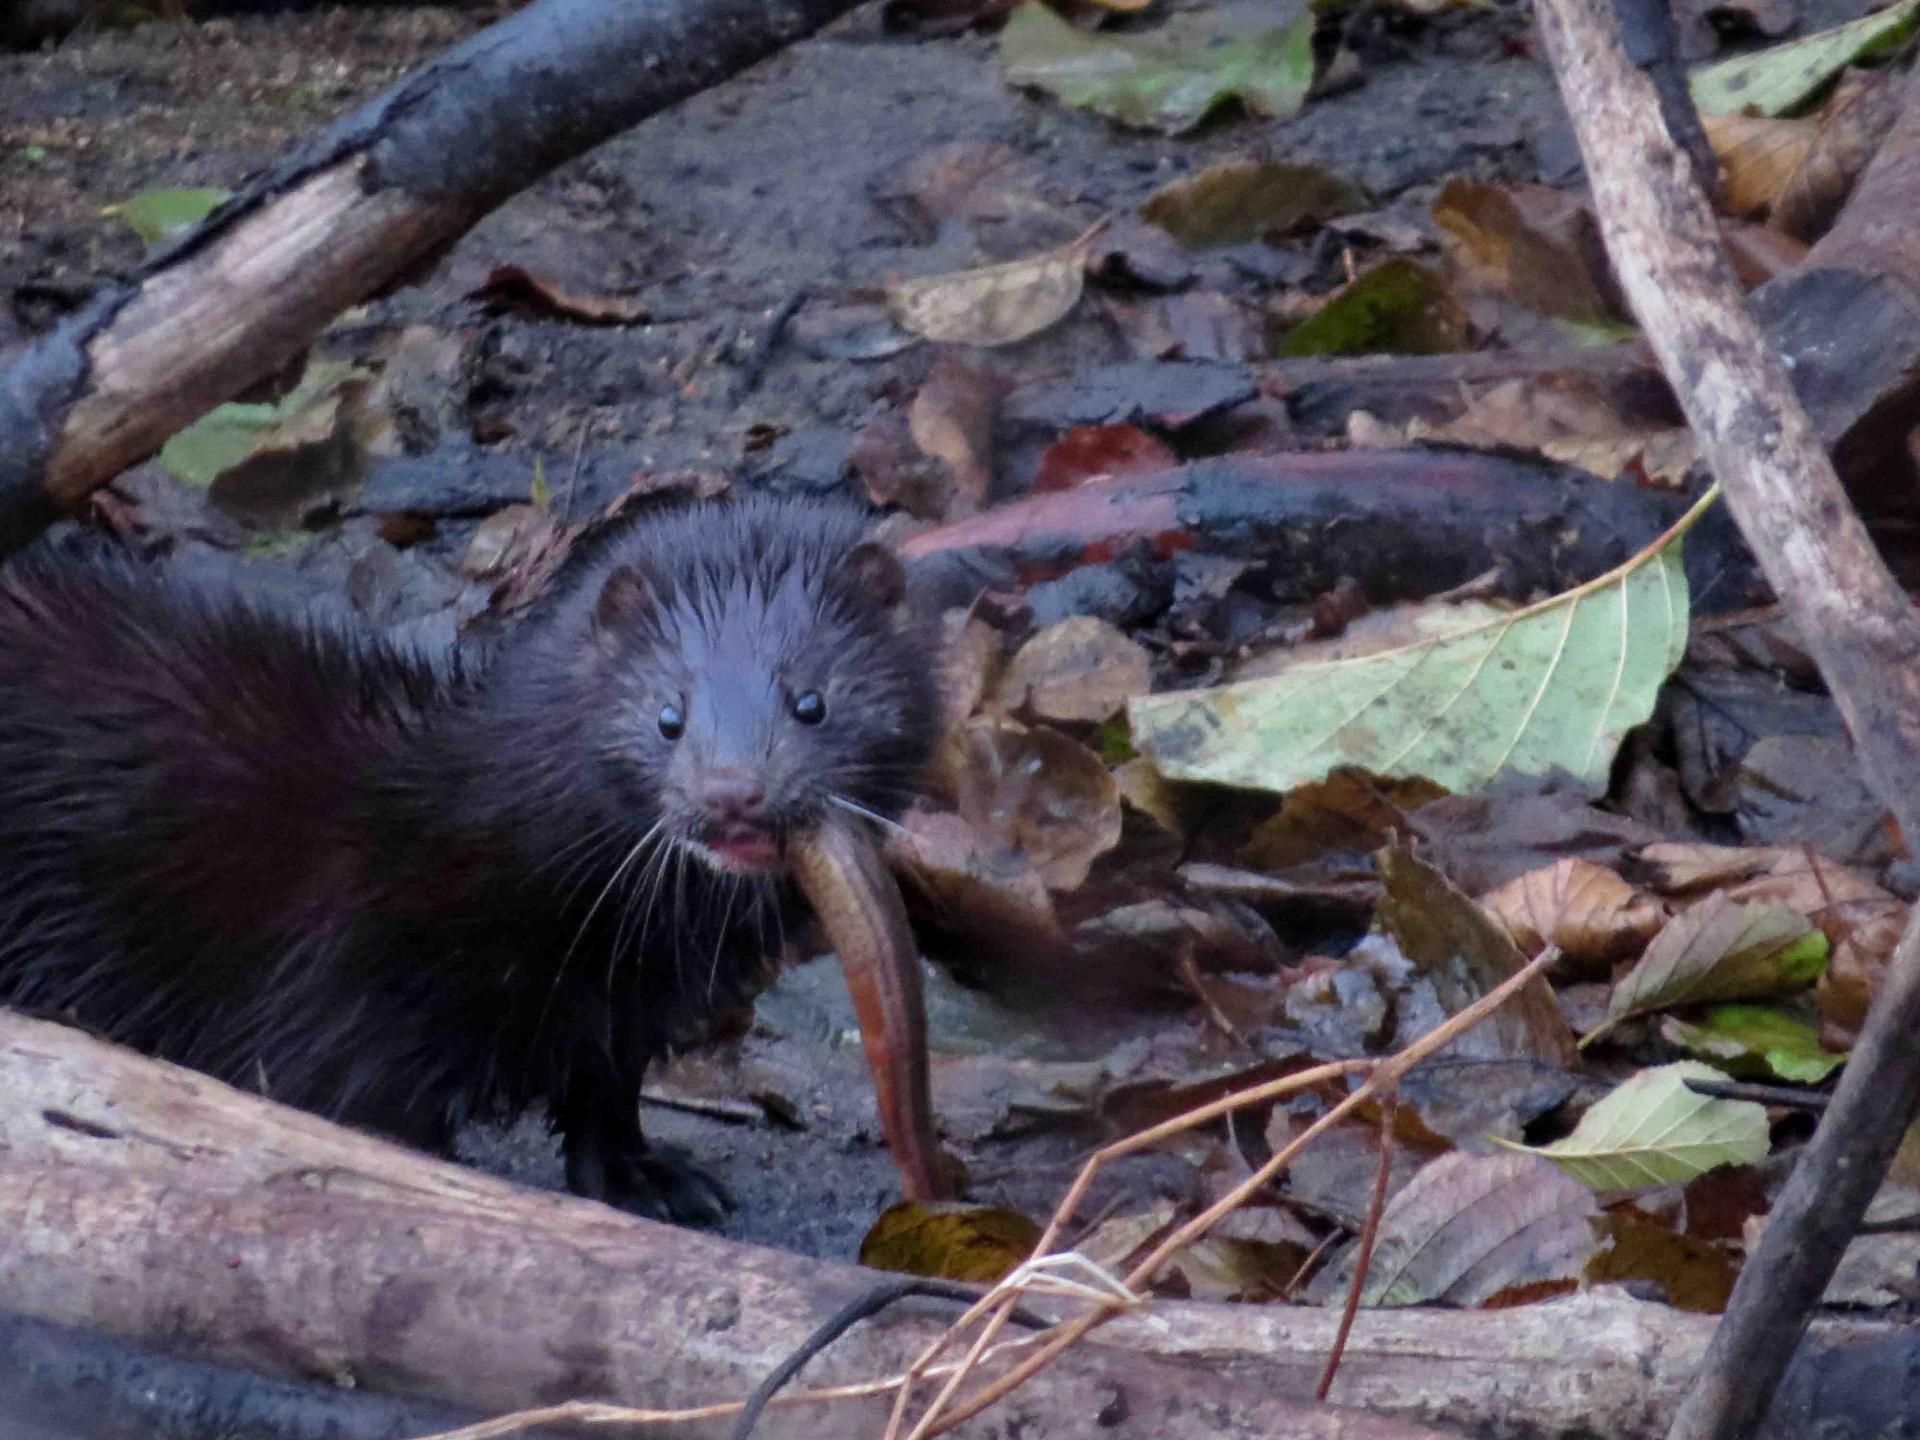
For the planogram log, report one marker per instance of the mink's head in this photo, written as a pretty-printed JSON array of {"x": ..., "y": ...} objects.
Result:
[{"x": 761, "y": 676}]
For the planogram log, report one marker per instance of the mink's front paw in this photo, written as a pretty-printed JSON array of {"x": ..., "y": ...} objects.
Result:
[{"x": 659, "y": 1182}]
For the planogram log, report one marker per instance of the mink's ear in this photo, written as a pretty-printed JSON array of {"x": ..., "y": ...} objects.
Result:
[
  {"x": 874, "y": 572},
  {"x": 624, "y": 600}
]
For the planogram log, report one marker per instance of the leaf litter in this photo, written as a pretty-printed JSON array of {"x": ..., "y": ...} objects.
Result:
[{"x": 1245, "y": 914}]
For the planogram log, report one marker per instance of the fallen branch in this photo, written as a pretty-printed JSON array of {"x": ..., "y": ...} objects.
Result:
[
  {"x": 256, "y": 1236},
  {"x": 1402, "y": 523},
  {"x": 156, "y": 1205},
  {"x": 1860, "y": 627},
  {"x": 389, "y": 186}
]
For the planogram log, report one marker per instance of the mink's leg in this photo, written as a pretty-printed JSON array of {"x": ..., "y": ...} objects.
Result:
[{"x": 608, "y": 1159}]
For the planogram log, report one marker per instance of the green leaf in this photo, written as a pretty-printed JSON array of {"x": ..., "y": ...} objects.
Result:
[
  {"x": 157, "y": 215},
  {"x": 1399, "y": 308},
  {"x": 1652, "y": 1130},
  {"x": 1782, "y": 78},
  {"x": 1757, "y": 1041},
  {"x": 228, "y": 434},
  {"x": 1719, "y": 950},
  {"x": 1168, "y": 81},
  {"x": 1556, "y": 685}
]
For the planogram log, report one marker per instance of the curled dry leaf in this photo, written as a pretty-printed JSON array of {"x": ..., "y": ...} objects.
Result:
[
  {"x": 1851, "y": 129},
  {"x": 1719, "y": 950},
  {"x": 1350, "y": 811},
  {"x": 1593, "y": 915},
  {"x": 1653, "y": 1130},
  {"x": 1468, "y": 1227},
  {"x": 993, "y": 305},
  {"x": 1080, "y": 669},
  {"x": 1041, "y": 794},
  {"x": 1854, "y": 975}
]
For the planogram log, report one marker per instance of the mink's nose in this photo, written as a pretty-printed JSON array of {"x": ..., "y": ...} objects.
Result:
[{"x": 733, "y": 797}]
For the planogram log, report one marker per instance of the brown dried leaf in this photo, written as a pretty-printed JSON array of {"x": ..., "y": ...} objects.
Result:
[
  {"x": 1593, "y": 915},
  {"x": 1532, "y": 244},
  {"x": 1690, "y": 1273},
  {"x": 1241, "y": 200},
  {"x": 1348, "y": 811},
  {"x": 994, "y": 305},
  {"x": 1041, "y": 794},
  {"x": 1470, "y": 1226},
  {"x": 969, "y": 660},
  {"x": 1851, "y": 129},
  {"x": 1080, "y": 669},
  {"x": 1719, "y": 950},
  {"x": 1466, "y": 953},
  {"x": 1758, "y": 157},
  {"x": 984, "y": 891}
]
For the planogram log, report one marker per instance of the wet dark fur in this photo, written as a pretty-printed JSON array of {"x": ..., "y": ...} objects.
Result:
[{"x": 398, "y": 893}]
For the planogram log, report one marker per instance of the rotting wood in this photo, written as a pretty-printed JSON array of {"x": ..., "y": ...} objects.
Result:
[{"x": 1861, "y": 629}]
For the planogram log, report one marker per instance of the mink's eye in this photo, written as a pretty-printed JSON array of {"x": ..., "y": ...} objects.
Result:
[
  {"x": 672, "y": 722},
  {"x": 809, "y": 707}
]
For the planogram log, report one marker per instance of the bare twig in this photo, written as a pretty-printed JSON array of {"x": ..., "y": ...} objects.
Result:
[
  {"x": 1363, "y": 1255},
  {"x": 1382, "y": 1077},
  {"x": 1862, "y": 632}
]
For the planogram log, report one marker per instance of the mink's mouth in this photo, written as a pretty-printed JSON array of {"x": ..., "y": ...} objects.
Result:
[{"x": 741, "y": 849}]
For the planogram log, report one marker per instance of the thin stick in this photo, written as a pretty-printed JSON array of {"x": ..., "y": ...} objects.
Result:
[
  {"x": 1363, "y": 1257},
  {"x": 1385, "y": 1075}
]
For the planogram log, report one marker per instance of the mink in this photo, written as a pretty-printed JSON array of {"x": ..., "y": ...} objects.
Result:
[{"x": 400, "y": 888}]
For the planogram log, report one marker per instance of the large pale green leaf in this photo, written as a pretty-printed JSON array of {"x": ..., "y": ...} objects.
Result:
[
  {"x": 1782, "y": 78},
  {"x": 1166, "y": 81},
  {"x": 1653, "y": 1130},
  {"x": 1557, "y": 685}
]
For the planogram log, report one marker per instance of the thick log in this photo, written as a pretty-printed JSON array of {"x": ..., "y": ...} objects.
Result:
[
  {"x": 154, "y": 1204},
  {"x": 361, "y": 207},
  {"x": 157, "y": 1206}
]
